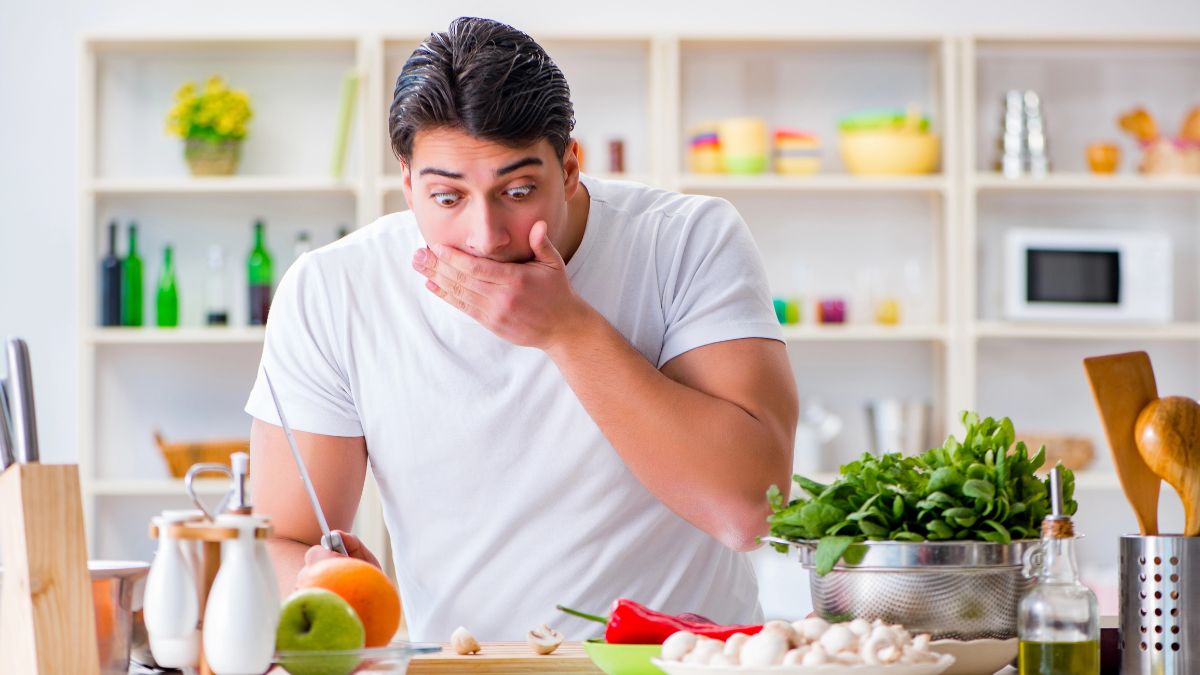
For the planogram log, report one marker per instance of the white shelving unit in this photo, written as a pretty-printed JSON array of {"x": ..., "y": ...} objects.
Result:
[{"x": 815, "y": 232}]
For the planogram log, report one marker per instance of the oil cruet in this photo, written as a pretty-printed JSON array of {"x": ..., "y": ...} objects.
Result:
[{"x": 1058, "y": 621}]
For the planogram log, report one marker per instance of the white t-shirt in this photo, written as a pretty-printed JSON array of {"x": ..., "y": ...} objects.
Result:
[{"x": 501, "y": 495}]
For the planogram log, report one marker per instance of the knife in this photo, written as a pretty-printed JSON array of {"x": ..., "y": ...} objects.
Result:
[
  {"x": 7, "y": 458},
  {"x": 332, "y": 541},
  {"x": 20, "y": 390}
]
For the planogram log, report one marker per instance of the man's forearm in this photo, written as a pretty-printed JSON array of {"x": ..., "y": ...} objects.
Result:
[
  {"x": 706, "y": 458},
  {"x": 287, "y": 555}
]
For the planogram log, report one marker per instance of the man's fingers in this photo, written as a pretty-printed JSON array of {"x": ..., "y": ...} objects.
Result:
[
  {"x": 316, "y": 554},
  {"x": 471, "y": 266}
]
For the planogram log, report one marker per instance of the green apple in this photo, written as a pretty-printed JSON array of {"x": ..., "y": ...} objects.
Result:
[{"x": 317, "y": 620}]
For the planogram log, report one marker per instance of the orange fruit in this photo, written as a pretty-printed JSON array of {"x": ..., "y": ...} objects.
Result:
[{"x": 365, "y": 587}]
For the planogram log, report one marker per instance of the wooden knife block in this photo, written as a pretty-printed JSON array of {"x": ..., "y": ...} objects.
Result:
[{"x": 47, "y": 622}]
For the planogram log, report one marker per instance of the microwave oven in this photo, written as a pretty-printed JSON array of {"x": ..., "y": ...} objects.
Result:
[{"x": 1087, "y": 275}]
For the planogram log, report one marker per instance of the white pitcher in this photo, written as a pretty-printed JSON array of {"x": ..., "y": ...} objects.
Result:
[
  {"x": 171, "y": 605},
  {"x": 240, "y": 618}
]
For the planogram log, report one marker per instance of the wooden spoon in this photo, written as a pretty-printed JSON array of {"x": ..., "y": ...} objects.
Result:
[
  {"x": 1123, "y": 385},
  {"x": 1168, "y": 436}
]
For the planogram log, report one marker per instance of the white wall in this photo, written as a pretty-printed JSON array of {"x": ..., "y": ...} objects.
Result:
[{"x": 39, "y": 46}]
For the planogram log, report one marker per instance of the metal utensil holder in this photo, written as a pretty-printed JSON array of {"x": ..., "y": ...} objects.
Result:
[{"x": 1160, "y": 605}]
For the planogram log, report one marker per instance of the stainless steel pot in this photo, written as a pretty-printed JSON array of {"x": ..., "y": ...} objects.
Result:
[
  {"x": 962, "y": 590},
  {"x": 117, "y": 587}
]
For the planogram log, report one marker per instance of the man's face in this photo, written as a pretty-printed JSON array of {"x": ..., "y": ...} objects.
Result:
[{"x": 483, "y": 197}]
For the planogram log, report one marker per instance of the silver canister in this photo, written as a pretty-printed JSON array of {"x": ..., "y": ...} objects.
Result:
[{"x": 1160, "y": 605}]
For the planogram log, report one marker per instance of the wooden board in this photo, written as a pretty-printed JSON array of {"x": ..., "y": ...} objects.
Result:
[{"x": 505, "y": 658}]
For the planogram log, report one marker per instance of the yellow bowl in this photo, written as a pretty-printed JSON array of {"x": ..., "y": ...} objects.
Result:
[
  {"x": 889, "y": 152},
  {"x": 623, "y": 659}
]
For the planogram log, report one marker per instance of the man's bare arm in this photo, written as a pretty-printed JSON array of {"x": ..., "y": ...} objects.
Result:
[{"x": 337, "y": 466}]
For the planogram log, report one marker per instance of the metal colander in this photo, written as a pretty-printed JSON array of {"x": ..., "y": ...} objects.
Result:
[{"x": 963, "y": 590}]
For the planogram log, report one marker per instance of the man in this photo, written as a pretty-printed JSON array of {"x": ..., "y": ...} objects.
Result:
[{"x": 569, "y": 390}]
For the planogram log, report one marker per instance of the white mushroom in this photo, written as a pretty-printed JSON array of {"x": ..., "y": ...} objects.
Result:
[
  {"x": 872, "y": 646},
  {"x": 860, "y": 627},
  {"x": 704, "y": 650},
  {"x": 463, "y": 642},
  {"x": 815, "y": 656},
  {"x": 848, "y": 659},
  {"x": 811, "y": 628},
  {"x": 764, "y": 649},
  {"x": 720, "y": 659},
  {"x": 921, "y": 643},
  {"x": 733, "y": 646},
  {"x": 544, "y": 639},
  {"x": 890, "y": 654},
  {"x": 795, "y": 657},
  {"x": 838, "y": 639},
  {"x": 678, "y": 645},
  {"x": 784, "y": 629}
]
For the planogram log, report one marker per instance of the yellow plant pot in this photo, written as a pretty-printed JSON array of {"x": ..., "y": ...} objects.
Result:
[{"x": 889, "y": 152}]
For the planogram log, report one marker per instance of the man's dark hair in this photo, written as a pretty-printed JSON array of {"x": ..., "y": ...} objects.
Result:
[{"x": 487, "y": 79}]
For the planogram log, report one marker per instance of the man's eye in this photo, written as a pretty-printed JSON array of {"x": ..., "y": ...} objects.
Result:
[
  {"x": 519, "y": 192},
  {"x": 445, "y": 198}
]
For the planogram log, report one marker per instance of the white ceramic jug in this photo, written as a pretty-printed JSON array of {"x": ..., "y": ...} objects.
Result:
[
  {"x": 171, "y": 605},
  {"x": 240, "y": 618}
]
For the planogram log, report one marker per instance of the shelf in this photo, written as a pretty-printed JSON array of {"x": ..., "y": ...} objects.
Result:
[
  {"x": 1084, "y": 182},
  {"x": 863, "y": 333},
  {"x": 249, "y": 335},
  {"x": 250, "y": 185},
  {"x": 164, "y": 487},
  {"x": 814, "y": 183},
  {"x": 999, "y": 330}
]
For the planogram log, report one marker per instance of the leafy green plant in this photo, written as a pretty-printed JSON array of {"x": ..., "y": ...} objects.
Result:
[{"x": 982, "y": 488}]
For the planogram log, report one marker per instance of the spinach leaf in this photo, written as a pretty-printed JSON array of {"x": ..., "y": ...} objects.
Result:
[{"x": 983, "y": 487}]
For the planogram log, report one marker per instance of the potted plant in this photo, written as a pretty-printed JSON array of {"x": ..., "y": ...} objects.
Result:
[{"x": 212, "y": 124}]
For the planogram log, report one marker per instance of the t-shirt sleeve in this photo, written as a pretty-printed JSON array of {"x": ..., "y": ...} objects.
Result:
[
  {"x": 301, "y": 350},
  {"x": 715, "y": 288}
]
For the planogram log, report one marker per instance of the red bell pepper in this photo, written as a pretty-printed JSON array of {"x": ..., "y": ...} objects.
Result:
[{"x": 631, "y": 623}]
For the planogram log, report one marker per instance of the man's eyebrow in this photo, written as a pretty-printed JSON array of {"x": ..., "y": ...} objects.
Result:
[
  {"x": 440, "y": 172},
  {"x": 508, "y": 168},
  {"x": 519, "y": 164}
]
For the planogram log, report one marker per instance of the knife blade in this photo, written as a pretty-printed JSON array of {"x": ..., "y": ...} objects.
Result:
[
  {"x": 332, "y": 541},
  {"x": 24, "y": 417},
  {"x": 7, "y": 457}
]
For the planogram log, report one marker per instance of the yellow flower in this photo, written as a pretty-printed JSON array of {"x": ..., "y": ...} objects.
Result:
[{"x": 216, "y": 111}]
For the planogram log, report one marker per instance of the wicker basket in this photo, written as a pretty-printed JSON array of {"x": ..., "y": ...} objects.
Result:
[
  {"x": 181, "y": 456},
  {"x": 212, "y": 158}
]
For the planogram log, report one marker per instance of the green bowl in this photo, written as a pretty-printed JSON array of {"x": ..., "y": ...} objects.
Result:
[{"x": 623, "y": 659}]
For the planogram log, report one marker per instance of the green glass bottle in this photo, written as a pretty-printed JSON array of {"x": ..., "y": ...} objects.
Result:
[
  {"x": 131, "y": 283},
  {"x": 258, "y": 273},
  {"x": 166, "y": 302}
]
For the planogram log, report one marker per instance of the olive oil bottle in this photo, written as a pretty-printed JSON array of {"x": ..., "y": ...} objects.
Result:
[{"x": 1058, "y": 621}]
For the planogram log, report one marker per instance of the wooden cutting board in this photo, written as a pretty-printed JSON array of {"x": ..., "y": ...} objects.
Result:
[{"x": 505, "y": 658}]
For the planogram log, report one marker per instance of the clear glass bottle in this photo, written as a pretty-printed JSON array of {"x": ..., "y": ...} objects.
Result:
[
  {"x": 1058, "y": 621},
  {"x": 216, "y": 298}
]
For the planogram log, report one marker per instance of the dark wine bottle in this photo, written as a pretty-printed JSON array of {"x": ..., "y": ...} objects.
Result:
[
  {"x": 258, "y": 272},
  {"x": 110, "y": 281}
]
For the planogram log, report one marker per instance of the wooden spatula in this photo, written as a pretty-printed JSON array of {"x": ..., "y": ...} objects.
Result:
[
  {"x": 1123, "y": 385},
  {"x": 1168, "y": 436}
]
